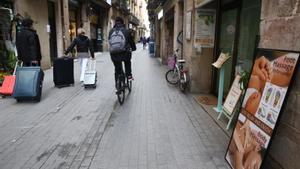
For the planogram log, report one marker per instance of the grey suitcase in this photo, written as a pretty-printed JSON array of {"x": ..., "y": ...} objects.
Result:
[{"x": 90, "y": 76}]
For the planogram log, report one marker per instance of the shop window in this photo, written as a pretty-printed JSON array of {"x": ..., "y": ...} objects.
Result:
[
  {"x": 249, "y": 31},
  {"x": 227, "y": 36}
]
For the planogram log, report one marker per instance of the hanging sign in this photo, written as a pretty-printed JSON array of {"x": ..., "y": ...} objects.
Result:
[
  {"x": 204, "y": 28},
  {"x": 188, "y": 25},
  {"x": 267, "y": 89},
  {"x": 160, "y": 14}
]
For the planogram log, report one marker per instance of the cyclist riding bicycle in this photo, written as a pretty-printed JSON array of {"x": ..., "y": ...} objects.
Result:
[{"x": 121, "y": 44}]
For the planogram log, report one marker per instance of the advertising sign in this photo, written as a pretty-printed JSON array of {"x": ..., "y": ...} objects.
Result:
[
  {"x": 267, "y": 88},
  {"x": 233, "y": 96},
  {"x": 204, "y": 28}
]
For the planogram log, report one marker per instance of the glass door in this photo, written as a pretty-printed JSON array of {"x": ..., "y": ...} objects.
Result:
[{"x": 226, "y": 45}]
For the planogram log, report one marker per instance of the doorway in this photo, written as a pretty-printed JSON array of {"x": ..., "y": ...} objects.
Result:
[
  {"x": 52, "y": 24},
  {"x": 238, "y": 35},
  {"x": 226, "y": 44}
]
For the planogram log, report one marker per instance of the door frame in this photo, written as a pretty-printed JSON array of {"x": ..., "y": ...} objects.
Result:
[
  {"x": 53, "y": 31},
  {"x": 237, "y": 4}
]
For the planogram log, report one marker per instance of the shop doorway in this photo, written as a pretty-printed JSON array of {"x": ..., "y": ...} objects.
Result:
[
  {"x": 238, "y": 36},
  {"x": 52, "y": 24},
  {"x": 169, "y": 34},
  {"x": 226, "y": 44}
]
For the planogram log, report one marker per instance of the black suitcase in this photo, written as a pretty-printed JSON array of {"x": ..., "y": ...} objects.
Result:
[
  {"x": 63, "y": 72},
  {"x": 29, "y": 83}
]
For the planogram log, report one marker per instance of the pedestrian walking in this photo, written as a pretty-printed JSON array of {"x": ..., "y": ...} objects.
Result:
[
  {"x": 121, "y": 45},
  {"x": 144, "y": 42},
  {"x": 28, "y": 44},
  {"x": 83, "y": 46}
]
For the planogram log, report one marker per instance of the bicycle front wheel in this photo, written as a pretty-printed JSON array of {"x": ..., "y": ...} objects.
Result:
[{"x": 172, "y": 77}]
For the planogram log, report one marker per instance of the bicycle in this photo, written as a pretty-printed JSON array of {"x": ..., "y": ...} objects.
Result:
[
  {"x": 177, "y": 74},
  {"x": 122, "y": 84}
]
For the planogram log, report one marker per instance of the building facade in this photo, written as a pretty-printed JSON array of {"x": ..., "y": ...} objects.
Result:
[
  {"x": 236, "y": 27},
  {"x": 57, "y": 21}
]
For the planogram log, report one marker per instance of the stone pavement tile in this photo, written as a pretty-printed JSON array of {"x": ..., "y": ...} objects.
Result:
[
  {"x": 159, "y": 127},
  {"x": 59, "y": 119}
]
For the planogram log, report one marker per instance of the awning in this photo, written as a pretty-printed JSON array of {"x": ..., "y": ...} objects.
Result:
[
  {"x": 102, "y": 3},
  {"x": 74, "y": 3}
]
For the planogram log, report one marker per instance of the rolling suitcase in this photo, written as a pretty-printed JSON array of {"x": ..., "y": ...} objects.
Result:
[
  {"x": 63, "y": 72},
  {"x": 90, "y": 76},
  {"x": 29, "y": 83},
  {"x": 8, "y": 84}
]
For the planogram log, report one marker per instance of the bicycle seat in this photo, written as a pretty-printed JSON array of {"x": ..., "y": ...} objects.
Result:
[{"x": 181, "y": 61}]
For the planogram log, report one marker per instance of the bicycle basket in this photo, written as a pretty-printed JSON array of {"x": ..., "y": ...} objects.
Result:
[{"x": 171, "y": 62}]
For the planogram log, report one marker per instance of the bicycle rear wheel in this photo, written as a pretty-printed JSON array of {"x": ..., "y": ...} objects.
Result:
[
  {"x": 121, "y": 91},
  {"x": 172, "y": 77},
  {"x": 183, "y": 82},
  {"x": 129, "y": 85}
]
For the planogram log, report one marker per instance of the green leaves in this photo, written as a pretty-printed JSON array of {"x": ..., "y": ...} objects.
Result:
[{"x": 245, "y": 76}]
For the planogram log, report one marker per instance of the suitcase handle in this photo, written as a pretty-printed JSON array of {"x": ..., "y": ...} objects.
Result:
[
  {"x": 17, "y": 64},
  {"x": 92, "y": 64}
]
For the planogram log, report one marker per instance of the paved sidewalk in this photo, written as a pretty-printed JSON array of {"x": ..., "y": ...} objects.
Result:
[
  {"x": 61, "y": 130},
  {"x": 158, "y": 127}
]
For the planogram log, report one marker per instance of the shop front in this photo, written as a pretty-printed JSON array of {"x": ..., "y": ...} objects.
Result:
[
  {"x": 237, "y": 36},
  {"x": 98, "y": 24},
  {"x": 7, "y": 55},
  {"x": 168, "y": 38},
  {"x": 133, "y": 26}
]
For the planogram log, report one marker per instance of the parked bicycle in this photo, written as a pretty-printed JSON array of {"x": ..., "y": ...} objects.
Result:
[
  {"x": 177, "y": 75},
  {"x": 123, "y": 83}
]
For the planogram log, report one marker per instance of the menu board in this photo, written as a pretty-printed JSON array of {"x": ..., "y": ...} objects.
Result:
[
  {"x": 221, "y": 60},
  {"x": 267, "y": 89}
]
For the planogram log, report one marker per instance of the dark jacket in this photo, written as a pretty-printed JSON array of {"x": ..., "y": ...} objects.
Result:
[
  {"x": 82, "y": 43},
  {"x": 28, "y": 45},
  {"x": 130, "y": 44}
]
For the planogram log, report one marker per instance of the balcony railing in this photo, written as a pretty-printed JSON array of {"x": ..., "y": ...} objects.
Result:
[
  {"x": 133, "y": 19},
  {"x": 122, "y": 5}
]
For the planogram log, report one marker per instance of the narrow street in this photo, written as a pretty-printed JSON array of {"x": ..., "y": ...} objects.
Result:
[{"x": 158, "y": 127}]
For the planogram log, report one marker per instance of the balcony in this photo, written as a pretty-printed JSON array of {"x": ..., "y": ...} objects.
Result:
[
  {"x": 134, "y": 20},
  {"x": 152, "y": 6},
  {"x": 123, "y": 5}
]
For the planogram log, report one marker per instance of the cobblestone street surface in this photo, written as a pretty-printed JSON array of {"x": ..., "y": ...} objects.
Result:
[{"x": 158, "y": 127}]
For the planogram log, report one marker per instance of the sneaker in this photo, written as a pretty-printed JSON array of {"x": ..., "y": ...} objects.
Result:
[{"x": 130, "y": 78}]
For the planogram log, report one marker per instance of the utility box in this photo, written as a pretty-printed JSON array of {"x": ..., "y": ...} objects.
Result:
[{"x": 151, "y": 49}]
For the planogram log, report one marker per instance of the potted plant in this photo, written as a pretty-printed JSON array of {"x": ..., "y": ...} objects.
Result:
[{"x": 244, "y": 79}]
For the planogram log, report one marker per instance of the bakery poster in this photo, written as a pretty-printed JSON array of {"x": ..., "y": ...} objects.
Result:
[{"x": 267, "y": 89}]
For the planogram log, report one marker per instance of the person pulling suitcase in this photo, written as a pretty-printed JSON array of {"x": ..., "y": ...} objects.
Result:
[
  {"x": 28, "y": 44},
  {"x": 83, "y": 46}
]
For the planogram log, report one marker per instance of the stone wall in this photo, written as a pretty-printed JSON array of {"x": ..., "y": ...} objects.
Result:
[
  {"x": 280, "y": 27},
  {"x": 40, "y": 18},
  {"x": 198, "y": 63}
]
